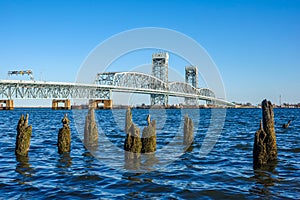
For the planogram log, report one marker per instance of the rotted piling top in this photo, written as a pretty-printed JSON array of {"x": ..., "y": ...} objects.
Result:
[
  {"x": 23, "y": 122},
  {"x": 268, "y": 117},
  {"x": 65, "y": 120},
  {"x": 128, "y": 120}
]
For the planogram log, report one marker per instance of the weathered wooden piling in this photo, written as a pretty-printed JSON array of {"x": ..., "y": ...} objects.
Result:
[
  {"x": 265, "y": 148},
  {"x": 128, "y": 120},
  {"x": 23, "y": 136},
  {"x": 64, "y": 136},
  {"x": 133, "y": 143},
  {"x": 188, "y": 135},
  {"x": 149, "y": 137},
  {"x": 90, "y": 130}
]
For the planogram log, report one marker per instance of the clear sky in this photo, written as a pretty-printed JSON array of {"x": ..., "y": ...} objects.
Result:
[{"x": 255, "y": 44}]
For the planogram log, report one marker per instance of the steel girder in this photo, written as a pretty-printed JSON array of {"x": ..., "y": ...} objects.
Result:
[
  {"x": 138, "y": 80},
  {"x": 206, "y": 92},
  {"x": 134, "y": 80},
  {"x": 185, "y": 88},
  {"x": 41, "y": 90},
  {"x": 131, "y": 82}
]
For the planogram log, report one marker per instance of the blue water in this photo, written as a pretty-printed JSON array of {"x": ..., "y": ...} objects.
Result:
[{"x": 225, "y": 172}]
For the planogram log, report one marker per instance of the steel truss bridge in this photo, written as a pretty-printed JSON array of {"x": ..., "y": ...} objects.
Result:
[{"x": 102, "y": 88}]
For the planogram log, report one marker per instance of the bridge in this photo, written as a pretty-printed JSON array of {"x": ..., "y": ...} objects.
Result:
[{"x": 105, "y": 84}]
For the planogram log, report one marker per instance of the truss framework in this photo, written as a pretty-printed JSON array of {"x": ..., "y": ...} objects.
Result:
[
  {"x": 105, "y": 84},
  {"x": 137, "y": 80},
  {"x": 51, "y": 90},
  {"x": 160, "y": 64},
  {"x": 191, "y": 77}
]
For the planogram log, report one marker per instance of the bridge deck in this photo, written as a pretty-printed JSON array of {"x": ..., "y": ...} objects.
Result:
[{"x": 14, "y": 89}]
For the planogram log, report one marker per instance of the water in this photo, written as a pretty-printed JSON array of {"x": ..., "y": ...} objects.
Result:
[{"x": 226, "y": 172}]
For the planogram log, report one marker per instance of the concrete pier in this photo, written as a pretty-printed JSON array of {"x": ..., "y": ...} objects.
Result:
[
  {"x": 64, "y": 136},
  {"x": 66, "y": 104},
  {"x": 23, "y": 137},
  {"x": 9, "y": 104},
  {"x": 265, "y": 148},
  {"x": 94, "y": 103}
]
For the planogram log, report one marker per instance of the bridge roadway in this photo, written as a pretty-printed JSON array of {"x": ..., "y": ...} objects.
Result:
[{"x": 105, "y": 84}]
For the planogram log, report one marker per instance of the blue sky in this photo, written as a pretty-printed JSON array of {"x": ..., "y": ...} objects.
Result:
[{"x": 255, "y": 44}]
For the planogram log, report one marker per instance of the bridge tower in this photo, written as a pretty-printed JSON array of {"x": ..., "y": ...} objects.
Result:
[
  {"x": 191, "y": 77},
  {"x": 160, "y": 63}
]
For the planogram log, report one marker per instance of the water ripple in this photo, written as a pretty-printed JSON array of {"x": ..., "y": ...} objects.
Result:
[{"x": 226, "y": 172}]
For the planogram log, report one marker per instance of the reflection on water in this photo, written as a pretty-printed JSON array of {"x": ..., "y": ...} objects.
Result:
[
  {"x": 89, "y": 159},
  {"x": 24, "y": 168},
  {"x": 149, "y": 160},
  {"x": 264, "y": 180},
  {"x": 132, "y": 160},
  {"x": 65, "y": 160},
  {"x": 143, "y": 162}
]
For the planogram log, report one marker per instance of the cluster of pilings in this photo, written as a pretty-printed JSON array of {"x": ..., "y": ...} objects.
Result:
[
  {"x": 134, "y": 144},
  {"x": 24, "y": 132},
  {"x": 133, "y": 141},
  {"x": 264, "y": 148}
]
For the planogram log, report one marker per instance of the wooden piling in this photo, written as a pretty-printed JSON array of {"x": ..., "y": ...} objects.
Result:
[
  {"x": 265, "y": 147},
  {"x": 188, "y": 135},
  {"x": 128, "y": 120},
  {"x": 90, "y": 130},
  {"x": 149, "y": 137},
  {"x": 23, "y": 136},
  {"x": 64, "y": 136},
  {"x": 133, "y": 143}
]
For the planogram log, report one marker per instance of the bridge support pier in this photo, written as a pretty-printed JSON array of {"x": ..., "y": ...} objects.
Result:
[
  {"x": 9, "y": 104},
  {"x": 94, "y": 103},
  {"x": 66, "y": 106}
]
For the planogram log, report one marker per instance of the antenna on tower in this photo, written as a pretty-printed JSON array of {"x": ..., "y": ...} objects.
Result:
[{"x": 279, "y": 100}]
